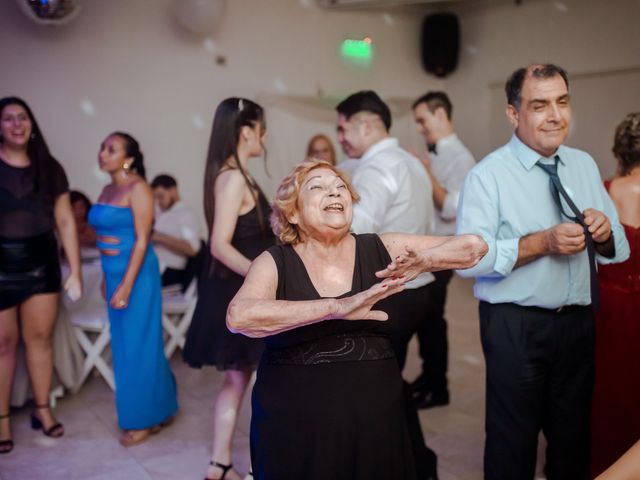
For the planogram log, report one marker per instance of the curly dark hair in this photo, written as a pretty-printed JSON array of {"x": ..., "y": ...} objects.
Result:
[{"x": 626, "y": 142}]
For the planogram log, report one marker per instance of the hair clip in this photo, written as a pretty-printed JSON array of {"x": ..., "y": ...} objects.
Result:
[{"x": 240, "y": 104}]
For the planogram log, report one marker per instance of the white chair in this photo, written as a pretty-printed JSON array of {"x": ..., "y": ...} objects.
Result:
[
  {"x": 177, "y": 310},
  {"x": 90, "y": 322},
  {"x": 93, "y": 335}
]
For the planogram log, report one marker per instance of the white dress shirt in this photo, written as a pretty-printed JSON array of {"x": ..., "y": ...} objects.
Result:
[
  {"x": 395, "y": 195},
  {"x": 449, "y": 165},
  {"x": 179, "y": 221}
]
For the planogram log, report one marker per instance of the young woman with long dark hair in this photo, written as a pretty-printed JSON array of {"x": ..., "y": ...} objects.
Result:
[
  {"x": 237, "y": 214},
  {"x": 34, "y": 201},
  {"x": 145, "y": 387}
]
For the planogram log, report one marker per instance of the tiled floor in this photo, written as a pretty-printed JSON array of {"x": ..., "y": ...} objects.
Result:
[{"x": 90, "y": 449}]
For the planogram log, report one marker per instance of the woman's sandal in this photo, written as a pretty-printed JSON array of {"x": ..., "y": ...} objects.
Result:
[
  {"x": 54, "y": 431},
  {"x": 225, "y": 469},
  {"x": 6, "y": 445},
  {"x": 129, "y": 439},
  {"x": 135, "y": 437}
]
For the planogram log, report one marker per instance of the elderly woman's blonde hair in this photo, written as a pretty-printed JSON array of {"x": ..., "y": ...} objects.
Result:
[{"x": 286, "y": 202}]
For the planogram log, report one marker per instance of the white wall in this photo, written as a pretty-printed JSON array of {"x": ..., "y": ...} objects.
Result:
[{"x": 126, "y": 65}]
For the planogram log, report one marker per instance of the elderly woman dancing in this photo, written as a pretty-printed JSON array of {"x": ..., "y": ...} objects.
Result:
[{"x": 328, "y": 401}]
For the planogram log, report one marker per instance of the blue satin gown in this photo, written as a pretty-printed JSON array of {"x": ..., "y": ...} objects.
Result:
[{"x": 145, "y": 386}]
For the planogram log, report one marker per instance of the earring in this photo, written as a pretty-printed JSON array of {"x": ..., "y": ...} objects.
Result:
[
  {"x": 126, "y": 167},
  {"x": 33, "y": 135}
]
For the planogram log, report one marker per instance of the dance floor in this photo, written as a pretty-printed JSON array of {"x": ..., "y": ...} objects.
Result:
[{"x": 90, "y": 448}]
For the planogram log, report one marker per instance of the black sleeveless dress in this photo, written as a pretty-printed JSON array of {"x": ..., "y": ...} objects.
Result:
[
  {"x": 328, "y": 400},
  {"x": 208, "y": 341}
]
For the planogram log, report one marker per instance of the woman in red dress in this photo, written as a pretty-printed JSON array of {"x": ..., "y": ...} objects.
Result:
[{"x": 616, "y": 398}]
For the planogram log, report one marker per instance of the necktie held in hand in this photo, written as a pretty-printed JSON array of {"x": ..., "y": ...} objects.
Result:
[{"x": 556, "y": 191}]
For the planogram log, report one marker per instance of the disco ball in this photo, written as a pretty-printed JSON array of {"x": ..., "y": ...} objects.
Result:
[
  {"x": 50, "y": 12},
  {"x": 200, "y": 17}
]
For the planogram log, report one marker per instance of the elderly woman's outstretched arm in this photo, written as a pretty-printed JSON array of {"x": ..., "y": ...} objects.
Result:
[
  {"x": 413, "y": 254},
  {"x": 255, "y": 312}
]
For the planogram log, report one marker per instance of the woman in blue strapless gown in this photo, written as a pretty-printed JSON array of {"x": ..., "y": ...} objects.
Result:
[{"x": 145, "y": 387}]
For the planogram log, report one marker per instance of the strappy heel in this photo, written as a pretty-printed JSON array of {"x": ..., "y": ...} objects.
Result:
[
  {"x": 6, "y": 445},
  {"x": 54, "y": 431},
  {"x": 225, "y": 469}
]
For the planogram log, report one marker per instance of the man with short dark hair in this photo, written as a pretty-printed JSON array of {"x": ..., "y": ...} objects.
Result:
[
  {"x": 542, "y": 209},
  {"x": 395, "y": 196},
  {"x": 447, "y": 164},
  {"x": 176, "y": 233}
]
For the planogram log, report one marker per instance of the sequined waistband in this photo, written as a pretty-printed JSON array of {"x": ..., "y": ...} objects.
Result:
[{"x": 332, "y": 349}]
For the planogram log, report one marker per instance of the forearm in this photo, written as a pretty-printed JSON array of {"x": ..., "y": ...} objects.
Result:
[
  {"x": 531, "y": 247},
  {"x": 176, "y": 245},
  {"x": 69, "y": 238},
  {"x": 135, "y": 262},
  {"x": 231, "y": 258},
  {"x": 262, "y": 318},
  {"x": 439, "y": 193},
  {"x": 457, "y": 252},
  {"x": 607, "y": 248}
]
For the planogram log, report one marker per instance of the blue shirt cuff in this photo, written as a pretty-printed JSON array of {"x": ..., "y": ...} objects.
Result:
[{"x": 506, "y": 255}]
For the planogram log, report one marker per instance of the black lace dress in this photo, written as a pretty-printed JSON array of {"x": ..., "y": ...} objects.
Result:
[
  {"x": 29, "y": 263},
  {"x": 208, "y": 340},
  {"x": 328, "y": 402}
]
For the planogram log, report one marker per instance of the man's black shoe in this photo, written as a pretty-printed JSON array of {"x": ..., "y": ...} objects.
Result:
[{"x": 430, "y": 399}]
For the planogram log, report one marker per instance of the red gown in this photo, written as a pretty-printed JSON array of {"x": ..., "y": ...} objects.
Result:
[{"x": 615, "y": 418}]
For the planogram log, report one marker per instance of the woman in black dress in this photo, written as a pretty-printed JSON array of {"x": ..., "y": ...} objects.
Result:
[
  {"x": 237, "y": 214},
  {"x": 34, "y": 200},
  {"x": 328, "y": 401}
]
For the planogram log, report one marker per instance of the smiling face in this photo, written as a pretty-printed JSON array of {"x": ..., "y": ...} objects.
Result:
[
  {"x": 322, "y": 149},
  {"x": 427, "y": 123},
  {"x": 351, "y": 134},
  {"x": 324, "y": 206},
  {"x": 15, "y": 126},
  {"x": 542, "y": 119},
  {"x": 112, "y": 155}
]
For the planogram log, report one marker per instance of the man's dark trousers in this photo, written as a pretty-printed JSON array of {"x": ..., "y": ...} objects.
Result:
[
  {"x": 539, "y": 377},
  {"x": 432, "y": 338}
]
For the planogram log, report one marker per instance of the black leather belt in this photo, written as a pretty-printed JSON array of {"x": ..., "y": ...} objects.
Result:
[{"x": 564, "y": 309}]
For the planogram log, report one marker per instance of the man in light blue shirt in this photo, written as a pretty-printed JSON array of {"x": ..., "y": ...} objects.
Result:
[{"x": 534, "y": 283}]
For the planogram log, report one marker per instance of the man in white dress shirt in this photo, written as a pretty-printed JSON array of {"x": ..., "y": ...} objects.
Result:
[
  {"x": 395, "y": 196},
  {"x": 176, "y": 232},
  {"x": 448, "y": 163}
]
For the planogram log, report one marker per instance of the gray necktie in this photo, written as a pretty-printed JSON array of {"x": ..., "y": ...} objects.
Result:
[{"x": 556, "y": 191}]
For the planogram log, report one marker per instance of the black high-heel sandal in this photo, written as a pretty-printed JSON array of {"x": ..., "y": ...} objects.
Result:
[
  {"x": 6, "y": 445},
  {"x": 54, "y": 431},
  {"x": 225, "y": 469}
]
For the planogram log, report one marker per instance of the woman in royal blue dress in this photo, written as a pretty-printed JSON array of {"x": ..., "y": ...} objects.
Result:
[{"x": 123, "y": 216}]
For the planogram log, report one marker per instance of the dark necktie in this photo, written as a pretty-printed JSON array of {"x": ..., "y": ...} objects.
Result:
[
  {"x": 556, "y": 191},
  {"x": 432, "y": 148}
]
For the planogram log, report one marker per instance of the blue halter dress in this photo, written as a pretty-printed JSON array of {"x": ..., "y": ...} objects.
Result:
[{"x": 145, "y": 386}]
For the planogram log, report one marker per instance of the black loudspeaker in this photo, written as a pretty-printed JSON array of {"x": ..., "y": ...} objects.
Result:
[{"x": 440, "y": 43}]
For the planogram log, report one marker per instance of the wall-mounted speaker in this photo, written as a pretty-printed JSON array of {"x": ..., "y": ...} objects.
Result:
[{"x": 440, "y": 43}]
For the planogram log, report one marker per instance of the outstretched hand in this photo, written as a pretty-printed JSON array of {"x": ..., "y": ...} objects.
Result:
[
  {"x": 405, "y": 267},
  {"x": 359, "y": 306}
]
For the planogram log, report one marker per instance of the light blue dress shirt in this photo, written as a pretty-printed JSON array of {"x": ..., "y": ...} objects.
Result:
[{"x": 505, "y": 197}]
